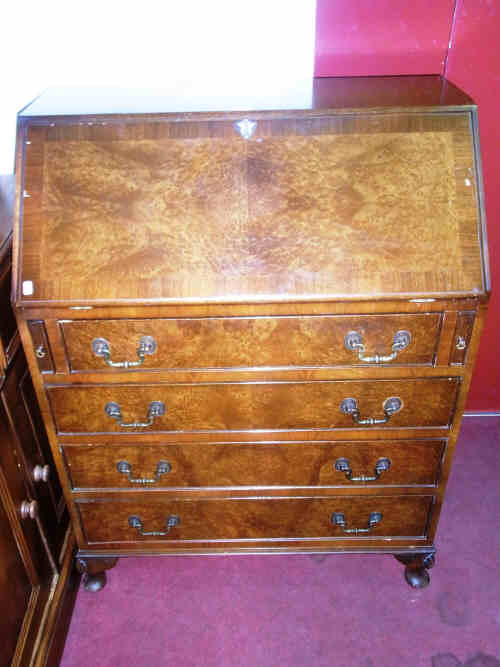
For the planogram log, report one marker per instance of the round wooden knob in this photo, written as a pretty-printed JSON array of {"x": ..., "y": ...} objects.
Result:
[
  {"x": 41, "y": 473},
  {"x": 29, "y": 509}
]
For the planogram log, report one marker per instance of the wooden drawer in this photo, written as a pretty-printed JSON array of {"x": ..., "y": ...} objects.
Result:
[
  {"x": 253, "y": 519},
  {"x": 224, "y": 342},
  {"x": 242, "y": 406},
  {"x": 412, "y": 462}
]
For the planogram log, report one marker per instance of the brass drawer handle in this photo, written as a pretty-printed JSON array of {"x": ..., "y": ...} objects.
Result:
[
  {"x": 156, "y": 409},
  {"x": 349, "y": 406},
  {"x": 29, "y": 509},
  {"x": 343, "y": 465},
  {"x": 354, "y": 341},
  {"x": 102, "y": 348},
  {"x": 41, "y": 473},
  {"x": 162, "y": 468},
  {"x": 338, "y": 519},
  {"x": 40, "y": 352},
  {"x": 135, "y": 522}
]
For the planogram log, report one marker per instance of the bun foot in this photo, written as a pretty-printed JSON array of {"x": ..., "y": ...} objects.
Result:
[
  {"x": 416, "y": 573},
  {"x": 94, "y": 582},
  {"x": 417, "y": 578},
  {"x": 93, "y": 570}
]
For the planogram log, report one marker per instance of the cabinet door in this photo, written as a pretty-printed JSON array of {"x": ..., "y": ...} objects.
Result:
[
  {"x": 16, "y": 590},
  {"x": 26, "y": 573},
  {"x": 33, "y": 451}
]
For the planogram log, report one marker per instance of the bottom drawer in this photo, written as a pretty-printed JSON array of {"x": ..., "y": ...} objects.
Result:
[{"x": 177, "y": 521}]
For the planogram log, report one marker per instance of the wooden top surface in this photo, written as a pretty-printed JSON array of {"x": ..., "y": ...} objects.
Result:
[
  {"x": 332, "y": 93},
  {"x": 313, "y": 206}
]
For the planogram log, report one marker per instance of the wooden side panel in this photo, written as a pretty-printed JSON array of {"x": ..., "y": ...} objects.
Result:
[
  {"x": 8, "y": 328},
  {"x": 244, "y": 406}
]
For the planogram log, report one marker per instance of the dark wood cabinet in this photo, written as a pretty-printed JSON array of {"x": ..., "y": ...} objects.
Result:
[
  {"x": 37, "y": 577},
  {"x": 253, "y": 331}
]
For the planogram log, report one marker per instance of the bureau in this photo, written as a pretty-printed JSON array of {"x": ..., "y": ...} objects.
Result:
[{"x": 252, "y": 331}]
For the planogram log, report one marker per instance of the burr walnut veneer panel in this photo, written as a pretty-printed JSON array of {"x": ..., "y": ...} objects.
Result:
[
  {"x": 252, "y": 405},
  {"x": 258, "y": 464},
  {"x": 225, "y": 342},
  {"x": 173, "y": 209},
  {"x": 248, "y": 519}
]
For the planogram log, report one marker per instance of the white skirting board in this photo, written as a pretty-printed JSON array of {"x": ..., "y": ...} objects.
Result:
[{"x": 480, "y": 413}]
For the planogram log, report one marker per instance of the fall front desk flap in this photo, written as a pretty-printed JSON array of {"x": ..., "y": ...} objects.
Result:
[{"x": 285, "y": 205}]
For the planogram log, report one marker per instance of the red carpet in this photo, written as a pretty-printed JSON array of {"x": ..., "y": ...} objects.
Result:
[{"x": 306, "y": 610}]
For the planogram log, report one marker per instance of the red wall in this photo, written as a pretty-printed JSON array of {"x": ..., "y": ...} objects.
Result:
[
  {"x": 461, "y": 40},
  {"x": 369, "y": 37}
]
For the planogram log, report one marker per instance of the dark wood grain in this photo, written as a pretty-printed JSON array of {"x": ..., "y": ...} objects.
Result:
[
  {"x": 32, "y": 449},
  {"x": 380, "y": 91},
  {"x": 248, "y": 342},
  {"x": 26, "y": 570},
  {"x": 9, "y": 340},
  {"x": 258, "y": 464},
  {"x": 15, "y": 590},
  {"x": 251, "y": 519},
  {"x": 59, "y": 615},
  {"x": 244, "y": 406}
]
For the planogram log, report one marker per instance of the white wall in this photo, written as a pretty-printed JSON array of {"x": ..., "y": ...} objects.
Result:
[{"x": 193, "y": 46}]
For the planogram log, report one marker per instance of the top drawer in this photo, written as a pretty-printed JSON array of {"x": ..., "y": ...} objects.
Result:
[{"x": 223, "y": 342}]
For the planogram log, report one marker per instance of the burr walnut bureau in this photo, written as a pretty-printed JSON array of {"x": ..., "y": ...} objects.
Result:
[{"x": 252, "y": 331}]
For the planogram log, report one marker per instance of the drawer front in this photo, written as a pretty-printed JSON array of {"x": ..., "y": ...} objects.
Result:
[
  {"x": 254, "y": 464},
  {"x": 219, "y": 342},
  {"x": 250, "y": 519},
  {"x": 242, "y": 406}
]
